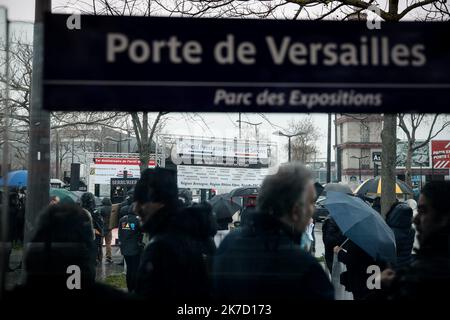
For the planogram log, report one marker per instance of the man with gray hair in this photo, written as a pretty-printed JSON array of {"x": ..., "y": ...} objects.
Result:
[{"x": 263, "y": 260}]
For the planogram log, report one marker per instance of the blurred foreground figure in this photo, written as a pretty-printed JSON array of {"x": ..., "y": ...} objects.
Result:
[
  {"x": 262, "y": 261},
  {"x": 87, "y": 201},
  {"x": 60, "y": 260},
  {"x": 172, "y": 267},
  {"x": 428, "y": 277}
]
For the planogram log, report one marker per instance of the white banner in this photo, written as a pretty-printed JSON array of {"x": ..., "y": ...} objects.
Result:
[
  {"x": 219, "y": 177},
  {"x": 104, "y": 169},
  {"x": 220, "y": 148},
  {"x": 102, "y": 173}
]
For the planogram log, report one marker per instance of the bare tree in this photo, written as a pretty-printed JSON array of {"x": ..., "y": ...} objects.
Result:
[
  {"x": 410, "y": 124},
  {"x": 20, "y": 66},
  {"x": 304, "y": 146}
]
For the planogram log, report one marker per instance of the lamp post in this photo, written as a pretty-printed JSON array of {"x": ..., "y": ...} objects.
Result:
[
  {"x": 289, "y": 136},
  {"x": 252, "y": 124},
  {"x": 359, "y": 164}
]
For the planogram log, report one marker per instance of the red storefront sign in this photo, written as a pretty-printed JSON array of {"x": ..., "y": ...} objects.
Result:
[
  {"x": 123, "y": 161},
  {"x": 440, "y": 154}
]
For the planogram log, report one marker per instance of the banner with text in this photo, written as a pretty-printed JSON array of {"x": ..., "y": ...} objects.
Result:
[{"x": 199, "y": 177}]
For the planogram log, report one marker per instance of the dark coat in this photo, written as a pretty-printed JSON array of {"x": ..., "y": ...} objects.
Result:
[
  {"x": 357, "y": 261},
  {"x": 105, "y": 212},
  {"x": 130, "y": 235},
  {"x": 172, "y": 265},
  {"x": 399, "y": 219},
  {"x": 332, "y": 237},
  {"x": 428, "y": 277},
  {"x": 263, "y": 261}
]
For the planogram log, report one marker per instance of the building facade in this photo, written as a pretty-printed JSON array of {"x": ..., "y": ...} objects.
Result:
[{"x": 358, "y": 138}]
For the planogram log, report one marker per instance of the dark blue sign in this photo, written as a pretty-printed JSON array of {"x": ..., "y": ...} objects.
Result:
[{"x": 225, "y": 65}]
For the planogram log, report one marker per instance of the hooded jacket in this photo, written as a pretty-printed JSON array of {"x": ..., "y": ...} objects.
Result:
[{"x": 399, "y": 219}]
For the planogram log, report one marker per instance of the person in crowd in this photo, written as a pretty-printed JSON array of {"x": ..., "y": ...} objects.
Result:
[
  {"x": 399, "y": 219},
  {"x": 428, "y": 277},
  {"x": 105, "y": 212},
  {"x": 130, "y": 240},
  {"x": 185, "y": 197},
  {"x": 413, "y": 204},
  {"x": 172, "y": 266},
  {"x": 54, "y": 200},
  {"x": 125, "y": 206},
  {"x": 60, "y": 260},
  {"x": 307, "y": 240},
  {"x": 199, "y": 222},
  {"x": 11, "y": 229},
  {"x": 262, "y": 261},
  {"x": 87, "y": 202},
  {"x": 356, "y": 261},
  {"x": 376, "y": 205},
  {"x": 332, "y": 237}
]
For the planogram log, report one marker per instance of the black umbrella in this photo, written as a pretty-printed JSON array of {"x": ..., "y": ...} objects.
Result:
[
  {"x": 337, "y": 187},
  {"x": 223, "y": 207},
  {"x": 246, "y": 191}
]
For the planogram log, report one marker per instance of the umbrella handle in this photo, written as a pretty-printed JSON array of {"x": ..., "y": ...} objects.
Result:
[{"x": 342, "y": 244}]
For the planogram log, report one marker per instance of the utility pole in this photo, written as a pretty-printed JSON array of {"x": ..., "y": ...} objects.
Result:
[
  {"x": 239, "y": 125},
  {"x": 4, "y": 217},
  {"x": 57, "y": 156},
  {"x": 329, "y": 150},
  {"x": 73, "y": 149},
  {"x": 359, "y": 164},
  {"x": 39, "y": 152}
]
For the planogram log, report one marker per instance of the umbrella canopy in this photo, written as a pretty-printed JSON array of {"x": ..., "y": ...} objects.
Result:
[
  {"x": 363, "y": 225},
  {"x": 338, "y": 187},
  {"x": 16, "y": 178},
  {"x": 373, "y": 187},
  {"x": 242, "y": 192},
  {"x": 78, "y": 194},
  {"x": 65, "y": 196},
  {"x": 223, "y": 206}
]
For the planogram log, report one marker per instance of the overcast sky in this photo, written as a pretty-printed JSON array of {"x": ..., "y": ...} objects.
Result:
[{"x": 216, "y": 124}]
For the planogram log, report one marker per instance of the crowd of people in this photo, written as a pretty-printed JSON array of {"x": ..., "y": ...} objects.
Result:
[{"x": 262, "y": 260}]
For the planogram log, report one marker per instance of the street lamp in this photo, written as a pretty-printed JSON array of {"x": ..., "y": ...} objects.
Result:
[
  {"x": 359, "y": 164},
  {"x": 289, "y": 136},
  {"x": 252, "y": 124}
]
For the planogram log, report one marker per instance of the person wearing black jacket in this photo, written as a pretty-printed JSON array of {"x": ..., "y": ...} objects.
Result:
[
  {"x": 130, "y": 239},
  {"x": 332, "y": 237},
  {"x": 87, "y": 201},
  {"x": 262, "y": 261},
  {"x": 399, "y": 219},
  {"x": 357, "y": 261},
  {"x": 428, "y": 277},
  {"x": 105, "y": 212},
  {"x": 172, "y": 267}
]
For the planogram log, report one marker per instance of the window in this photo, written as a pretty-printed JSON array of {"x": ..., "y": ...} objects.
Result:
[
  {"x": 365, "y": 132},
  {"x": 365, "y": 162}
]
